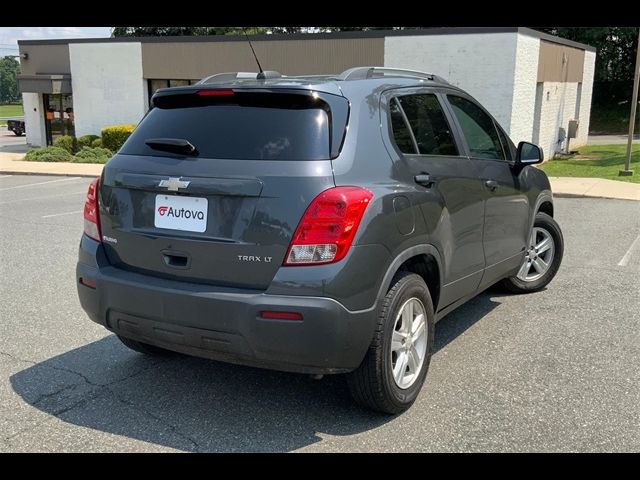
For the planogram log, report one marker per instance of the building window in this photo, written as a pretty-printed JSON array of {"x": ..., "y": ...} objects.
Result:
[{"x": 155, "y": 84}]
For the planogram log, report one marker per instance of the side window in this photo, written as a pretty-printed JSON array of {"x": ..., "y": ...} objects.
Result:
[
  {"x": 429, "y": 125},
  {"x": 401, "y": 133},
  {"x": 478, "y": 128},
  {"x": 506, "y": 145}
]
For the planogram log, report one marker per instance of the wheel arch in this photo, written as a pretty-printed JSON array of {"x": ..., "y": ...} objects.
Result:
[
  {"x": 544, "y": 203},
  {"x": 423, "y": 260}
]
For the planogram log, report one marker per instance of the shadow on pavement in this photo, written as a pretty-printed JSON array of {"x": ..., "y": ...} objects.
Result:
[{"x": 193, "y": 404}]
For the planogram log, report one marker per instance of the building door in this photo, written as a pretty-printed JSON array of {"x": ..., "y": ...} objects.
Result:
[{"x": 58, "y": 116}]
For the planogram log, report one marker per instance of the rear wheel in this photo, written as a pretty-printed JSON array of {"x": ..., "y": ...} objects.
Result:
[
  {"x": 18, "y": 133},
  {"x": 392, "y": 373},
  {"x": 143, "y": 347},
  {"x": 542, "y": 259}
]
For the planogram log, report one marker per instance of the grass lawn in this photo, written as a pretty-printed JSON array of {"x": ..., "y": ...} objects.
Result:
[
  {"x": 601, "y": 161},
  {"x": 10, "y": 111}
]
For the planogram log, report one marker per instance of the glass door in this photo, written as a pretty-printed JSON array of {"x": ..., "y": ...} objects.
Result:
[{"x": 58, "y": 116}]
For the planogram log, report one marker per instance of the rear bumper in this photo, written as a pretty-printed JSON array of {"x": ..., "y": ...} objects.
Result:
[{"x": 223, "y": 324}]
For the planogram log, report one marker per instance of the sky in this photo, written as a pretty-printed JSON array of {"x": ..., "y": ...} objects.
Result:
[{"x": 10, "y": 35}]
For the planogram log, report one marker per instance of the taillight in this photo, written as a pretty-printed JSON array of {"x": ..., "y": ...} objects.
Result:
[
  {"x": 327, "y": 228},
  {"x": 272, "y": 315},
  {"x": 91, "y": 214},
  {"x": 215, "y": 93}
]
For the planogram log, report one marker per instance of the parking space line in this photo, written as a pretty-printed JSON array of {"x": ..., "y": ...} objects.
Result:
[
  {"x": 42, "y": 197},
  {"x": 60, "y": 214},
  {"x": 5, "y": 176},
  {"x": 40, "y": 183},
  {"x": 624, "y": 261}
]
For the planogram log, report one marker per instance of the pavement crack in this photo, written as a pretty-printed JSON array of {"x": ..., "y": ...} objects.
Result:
[
  {"x": 174, "y": 429},
  {"x": 85, "y": 397}
]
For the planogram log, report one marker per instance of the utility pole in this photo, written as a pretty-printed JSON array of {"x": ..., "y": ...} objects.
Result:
[{"x": 632, "y": 117}]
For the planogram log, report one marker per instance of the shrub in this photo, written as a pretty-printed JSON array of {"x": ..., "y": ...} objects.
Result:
[
  {"x": 49, "y": 154},
  {"x": 69, "y": 143},
  {"x": 86, "y": 141},
  {"x": 93, "y": 155},
  {"x": 114, "y": 137},
  {"x": 97, "y": 143}
]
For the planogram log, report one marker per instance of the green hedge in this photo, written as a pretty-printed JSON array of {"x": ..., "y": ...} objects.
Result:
[
  {"x": 69, "y": 143},
  {"x": 49, "y": 154},
  {"x": 93, "y": 155},
  {"x": 86, "y": 141},
  {"x": 97, "y": 143},
  {"x": 113, "y": 137}
]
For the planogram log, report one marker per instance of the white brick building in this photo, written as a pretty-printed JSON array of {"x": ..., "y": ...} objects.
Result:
[{"x": 533, "y": 83}]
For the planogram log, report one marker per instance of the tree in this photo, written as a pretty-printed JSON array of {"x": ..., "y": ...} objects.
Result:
[
  {"x": 181, "y": 31},
  {"x": 9, "y": 69}
]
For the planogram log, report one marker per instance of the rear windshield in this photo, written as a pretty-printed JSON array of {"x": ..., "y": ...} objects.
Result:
[{"x": 250, "y": 126}]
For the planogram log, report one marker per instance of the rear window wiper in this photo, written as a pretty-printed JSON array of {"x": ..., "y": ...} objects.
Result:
[{"x": 172, "y": 145}]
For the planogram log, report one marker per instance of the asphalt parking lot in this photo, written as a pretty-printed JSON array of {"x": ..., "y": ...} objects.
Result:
[{"x": 553, "y": 371}]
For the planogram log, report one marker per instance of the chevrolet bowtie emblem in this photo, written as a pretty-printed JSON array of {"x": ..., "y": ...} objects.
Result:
[{"x": 173, "y": 184}]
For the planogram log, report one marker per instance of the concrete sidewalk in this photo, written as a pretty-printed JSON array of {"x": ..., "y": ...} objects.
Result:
[
  {"x": 10, "y": 163},
  {"x": 594, "y": 187}
]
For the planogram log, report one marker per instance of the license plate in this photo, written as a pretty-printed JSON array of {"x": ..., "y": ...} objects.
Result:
[{"x": 181, "y": 213}]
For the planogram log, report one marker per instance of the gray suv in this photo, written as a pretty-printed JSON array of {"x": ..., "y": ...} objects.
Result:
[{"x": 317, "y": 224}]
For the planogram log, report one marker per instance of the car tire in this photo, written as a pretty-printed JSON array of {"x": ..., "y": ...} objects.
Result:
[
  {"x": 141, "y": 347},
  {"x": 373, "y": 384},
  {"x": 18, "y": 133},
  {"x": 543, "y": 225}
]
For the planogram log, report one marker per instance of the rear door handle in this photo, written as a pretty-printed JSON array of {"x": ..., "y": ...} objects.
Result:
[
  {"x": 424, "y": 179},
  {"x": 491, "y": 185}
]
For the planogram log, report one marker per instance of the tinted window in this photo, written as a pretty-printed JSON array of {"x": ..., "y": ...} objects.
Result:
[
  {"x": 246, "y": 126},
  {"x": 478, "y": 128},
  {"x": 400, "y": 131},
  {"x": 428, "y": 124}
]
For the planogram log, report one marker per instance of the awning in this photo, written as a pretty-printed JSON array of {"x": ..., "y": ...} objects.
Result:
[{"x": 41, "y": 83}]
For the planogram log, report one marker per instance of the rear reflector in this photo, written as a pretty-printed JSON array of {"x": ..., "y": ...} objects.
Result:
[
  {"x": 271, "y": 315},
  {"x": 88, "y": 282},
  {"x": 215, "y": 93},
  {"x": 328, "y": 226},
  {"x": 91, "y": 213}
]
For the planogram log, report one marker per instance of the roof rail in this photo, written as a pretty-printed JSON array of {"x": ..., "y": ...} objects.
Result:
[
  {"x": 362, "y": 73},
  {"x": 232, "y": 76}
]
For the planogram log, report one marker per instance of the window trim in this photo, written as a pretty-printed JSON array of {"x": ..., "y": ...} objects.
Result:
[
  {"x": 506, "y": 148},
  {"x": 416, "y": 150},
  {"x": 391, "y": 95},
  {"x": 455, "y": 93}
]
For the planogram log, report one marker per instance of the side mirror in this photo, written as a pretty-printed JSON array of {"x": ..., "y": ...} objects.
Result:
[{"x": 529, "y": 153}]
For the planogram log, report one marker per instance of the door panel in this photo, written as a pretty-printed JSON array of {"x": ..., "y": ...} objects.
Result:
[
  {"x": 448, "y": 191},
  {"x": 506, "y": 211}
]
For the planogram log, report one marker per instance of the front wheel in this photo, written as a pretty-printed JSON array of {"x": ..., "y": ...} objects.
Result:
[
  {"x": 392, "y": 373},
  {"x": 542, "y": 259}
]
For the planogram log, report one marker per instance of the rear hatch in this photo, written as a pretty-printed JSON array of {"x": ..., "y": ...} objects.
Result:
[{"x": 211, "y": 185}]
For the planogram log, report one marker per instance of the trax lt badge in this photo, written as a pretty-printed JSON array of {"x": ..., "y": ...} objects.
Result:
[
  {"x": 173, "y": 184},
  {"x": 254, "y": 258}
]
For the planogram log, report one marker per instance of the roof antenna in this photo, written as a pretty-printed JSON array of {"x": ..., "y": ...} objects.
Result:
[{"x": 261, "y": 74}]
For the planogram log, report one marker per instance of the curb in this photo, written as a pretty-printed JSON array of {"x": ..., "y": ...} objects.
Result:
[
  {"x": 579, "y": 195},
  {"x": 49, "y": 174}
]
